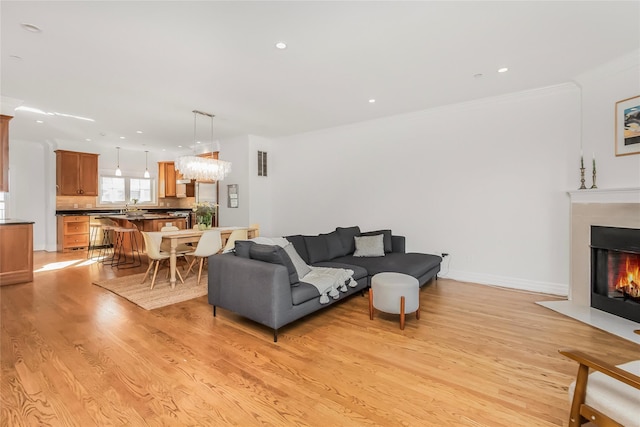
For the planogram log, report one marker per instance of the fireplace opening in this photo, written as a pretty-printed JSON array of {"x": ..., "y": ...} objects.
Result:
[{"x": 615, "y": 271}]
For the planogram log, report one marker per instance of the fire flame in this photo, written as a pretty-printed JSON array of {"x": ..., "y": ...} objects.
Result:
[{"x": 629, "y": 279}]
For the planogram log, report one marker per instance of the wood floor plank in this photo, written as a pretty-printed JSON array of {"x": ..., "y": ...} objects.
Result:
[{"x": 72, "y": 353}]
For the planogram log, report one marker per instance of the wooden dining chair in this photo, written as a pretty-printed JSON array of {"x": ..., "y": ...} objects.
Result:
[
  {"x": 256, "y": 229},
  {"x": 231, "y": 241},
  {"x": 607, "y": 397},
  {"x": 181, "y": 249},
  {"x": 152, "y": 242},
  {"x": 209, "y": 244}
]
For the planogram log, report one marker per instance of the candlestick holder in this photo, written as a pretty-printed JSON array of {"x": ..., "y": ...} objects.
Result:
[
  {"x": 594, "y": 179},
  {"x": 582, "y": 186}
]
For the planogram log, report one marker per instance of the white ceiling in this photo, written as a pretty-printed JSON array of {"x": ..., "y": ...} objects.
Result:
[{"x": 146, "y": 65}]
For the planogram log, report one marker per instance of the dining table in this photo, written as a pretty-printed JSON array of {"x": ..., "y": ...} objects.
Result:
[{"x": 193, "y": 236}]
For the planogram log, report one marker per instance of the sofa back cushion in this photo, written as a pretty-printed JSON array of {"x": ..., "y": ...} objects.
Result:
[
  {"x": 334, "y": 245},
  {"x": 346, "y": 235},
  {"x": 298, "y": 242},
  {"x": 387, "y": 241},
  {"x": 274, "y": 255},
  {"x": 242, "y": 247},
  {"x": 317, "y": 248}
]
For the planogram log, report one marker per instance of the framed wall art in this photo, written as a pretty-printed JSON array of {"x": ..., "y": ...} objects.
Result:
[{"x": 628, "y": 126}]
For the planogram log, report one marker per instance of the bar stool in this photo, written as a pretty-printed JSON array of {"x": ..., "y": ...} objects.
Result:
[
  {"x": 105, "y": 255},
  {"x": 94, "y": 231},
  {"x": 119, "y": 259}
]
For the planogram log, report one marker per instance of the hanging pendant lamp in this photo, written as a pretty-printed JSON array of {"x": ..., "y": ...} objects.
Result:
[
  {"x": 146, "y": 165},
  {"x": 118, "y": 171},
  {"x": 202, "y": 168}
]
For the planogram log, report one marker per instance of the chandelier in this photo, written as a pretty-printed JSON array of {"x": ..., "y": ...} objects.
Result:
[{"x": 202, "y": 168}]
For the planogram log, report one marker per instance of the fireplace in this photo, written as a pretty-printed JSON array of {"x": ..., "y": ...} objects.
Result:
[{"x": 615, "y": 271}]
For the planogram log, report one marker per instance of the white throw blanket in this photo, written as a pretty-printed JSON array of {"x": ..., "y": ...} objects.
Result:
[{"x": 330, "y": 281}]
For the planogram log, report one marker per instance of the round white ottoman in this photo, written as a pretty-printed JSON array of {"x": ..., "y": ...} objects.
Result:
[{"x": 394, "y": 293}]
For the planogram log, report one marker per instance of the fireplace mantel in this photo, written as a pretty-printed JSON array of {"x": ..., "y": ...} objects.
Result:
[{"x": 605, "y": 195}]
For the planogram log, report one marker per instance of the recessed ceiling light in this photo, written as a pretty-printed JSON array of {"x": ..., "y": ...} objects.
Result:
[
  {"x": 31, "y": 28},
  {"x": 179, "y": 146},
  {"x": 123, "y": 137},
  {"x": 197, "y": 142},
  {"x": 503, "y": 70},
  {"x": 371, "y": 101},
  {"x": 281, "y": 45},
  {"x": 39, "y": 121},
  {"x": 138, "y": 131},
  {"x": 88, "y": 139}
]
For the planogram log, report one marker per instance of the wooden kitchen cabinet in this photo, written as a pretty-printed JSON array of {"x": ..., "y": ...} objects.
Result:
[
  {"x": 73, "y": 233},
  {"x": 167, "y": 186},
  {"x": 76, "y": 173},
  {"x": 16, "y": 252},
  {"x": 4, "y": 153}
]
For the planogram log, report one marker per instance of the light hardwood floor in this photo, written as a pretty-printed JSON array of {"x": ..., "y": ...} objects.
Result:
[{"x": 74, "y": 354}]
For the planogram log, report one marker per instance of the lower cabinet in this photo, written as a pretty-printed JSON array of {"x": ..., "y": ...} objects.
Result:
[{"x": 73, "y": 233}]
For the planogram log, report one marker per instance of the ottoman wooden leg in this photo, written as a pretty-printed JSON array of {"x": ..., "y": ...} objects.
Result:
[
  {"x": 402, "y": 313},
  {"x": 418, "y": 312},
  {"x": 370, "y": 304}
]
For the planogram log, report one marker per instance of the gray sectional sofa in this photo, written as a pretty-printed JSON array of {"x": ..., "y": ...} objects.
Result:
[{"x": 261, "y": 283}]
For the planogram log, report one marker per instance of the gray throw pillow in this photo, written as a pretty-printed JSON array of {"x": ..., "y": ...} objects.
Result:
[
  {"x": 274, "y": 255},
  {"x": 317, "y": 248},
  {"x": 242, "y": 248},
  {"x": 301, "y": 267},
  {"x": 369, "y": 246}
]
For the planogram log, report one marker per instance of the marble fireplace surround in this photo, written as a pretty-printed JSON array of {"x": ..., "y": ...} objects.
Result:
[{"x": 606, "y": 207}]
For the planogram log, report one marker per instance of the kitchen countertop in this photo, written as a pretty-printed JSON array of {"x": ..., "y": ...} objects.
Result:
[
  {"x": 98, "y": 212},
  {"x": 12, "y": 221},
  {"x": 140, "y": 218}
]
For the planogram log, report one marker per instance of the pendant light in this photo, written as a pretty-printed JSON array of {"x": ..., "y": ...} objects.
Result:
[
  {"x": 146, "y": 165},
  {"x": 202, "y": 168},
  {"x": 118, "y": 171}
]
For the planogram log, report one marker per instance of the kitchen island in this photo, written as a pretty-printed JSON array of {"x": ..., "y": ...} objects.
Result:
[{"x": 16, "y": 251}]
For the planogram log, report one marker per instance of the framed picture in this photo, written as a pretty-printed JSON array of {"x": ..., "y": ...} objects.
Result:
[
  {"x": 232, "y": 196},
  {"x": 628, "y": 126}
]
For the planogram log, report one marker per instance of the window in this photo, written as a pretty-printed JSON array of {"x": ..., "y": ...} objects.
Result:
[
  {"x": 122, "y": 190},
  {"x": 3, "y": 205},
  {"x": 262, "y": 163}
]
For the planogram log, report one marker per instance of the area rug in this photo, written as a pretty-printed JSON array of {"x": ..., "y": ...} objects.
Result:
[{"x": 161, "y": 295}]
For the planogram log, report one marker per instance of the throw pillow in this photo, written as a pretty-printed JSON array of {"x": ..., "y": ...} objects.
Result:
[
  {"x": 388, "y": 244},
  {"x": 369, "y": 246},
  {"x": 298, "y": 242},
  {"x": 242, "y": 248},
  {"x": 346, "y": 235},
  {"x": 274, "y": 255},
  {"x": 301, "y": 267}
]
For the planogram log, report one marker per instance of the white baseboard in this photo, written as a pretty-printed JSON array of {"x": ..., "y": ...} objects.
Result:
[{"x": 509, "y": 282}]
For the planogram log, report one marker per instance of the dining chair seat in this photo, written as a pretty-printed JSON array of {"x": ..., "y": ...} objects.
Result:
[{"x": 152, "y": 242}]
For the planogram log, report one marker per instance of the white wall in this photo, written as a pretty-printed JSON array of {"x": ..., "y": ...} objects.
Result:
[
  {"x": 28, "y": 175},
  {"x": 236, "y": 151},
  {"x": 601, "y": 89},
  {"x": 485, "y": 181}
]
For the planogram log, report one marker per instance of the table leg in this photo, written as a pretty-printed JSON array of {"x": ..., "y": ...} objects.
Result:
[{"x": 172, "y": 262}]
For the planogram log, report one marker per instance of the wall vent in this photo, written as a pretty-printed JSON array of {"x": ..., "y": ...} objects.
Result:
[{"x": 262, "y": 163}]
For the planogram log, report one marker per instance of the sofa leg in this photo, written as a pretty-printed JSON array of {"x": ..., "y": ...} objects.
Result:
[
  {"x": 275, "y": 335},
  {"x": 214, "y": 311}
]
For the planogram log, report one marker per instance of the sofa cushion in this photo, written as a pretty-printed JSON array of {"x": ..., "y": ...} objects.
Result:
[
  {"x": 388, "y": 246},
  {"x": 346, "y": 235},
  {"x": 413, "y": 264},
  {"x": 298, "y": 242},
  {"x": 242, "y": 248},
  {"x": 317, "y": 248},
  {"x": 301, "y": 267},
  {"x": 334, "y": 245},
  {"x": 369, "y": 246},
  {"x": 303, "y": 293},
  {"x": 275, "y": 255}
]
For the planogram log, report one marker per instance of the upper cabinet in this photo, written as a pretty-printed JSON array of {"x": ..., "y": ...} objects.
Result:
[
  {"x": 4, "y": 153},
  {"x": 76, "y": 173},
  {"x": 167, "y": 186}
]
